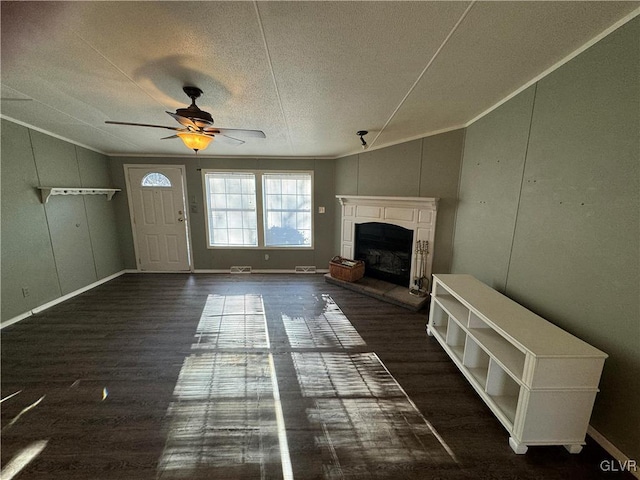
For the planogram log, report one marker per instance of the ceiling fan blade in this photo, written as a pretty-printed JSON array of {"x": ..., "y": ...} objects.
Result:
[
  {"x": 237, "y": 131},
  {"x": 187, "y": 122},
  {"x": 170, "y": 136},
  {"x": 230, "y": 140},
  {"x": 140, "y": 125}
]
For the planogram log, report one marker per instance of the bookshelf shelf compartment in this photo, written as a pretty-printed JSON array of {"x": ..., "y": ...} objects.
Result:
[
  {"x": 476, "y": 360},
  {"x": 528, "y": 371},
  {"x": 508, "y": 356},
  {"x": 453, "y": 308}
]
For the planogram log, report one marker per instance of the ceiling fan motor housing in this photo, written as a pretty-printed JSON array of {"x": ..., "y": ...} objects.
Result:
[{"x": 192, "y": 111}]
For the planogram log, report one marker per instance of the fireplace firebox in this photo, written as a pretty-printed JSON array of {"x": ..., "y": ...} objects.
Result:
[{"x": 386, "y": 250}]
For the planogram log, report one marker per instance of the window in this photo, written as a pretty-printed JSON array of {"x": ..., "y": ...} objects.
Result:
[
  {"x": 287, "y": 209},
  {"x": 155, "y": 179},
  {"x": 259, "y": 209},
  {"x": 231, "y": 203}
]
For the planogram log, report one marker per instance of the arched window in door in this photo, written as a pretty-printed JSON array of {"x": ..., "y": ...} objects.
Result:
[{"x": 155, "y": 179}]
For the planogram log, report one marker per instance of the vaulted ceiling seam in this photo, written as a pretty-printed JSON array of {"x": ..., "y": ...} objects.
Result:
[
  {"x": 424, "y": 70},
  {"x": 118, "y": 69},
  {"x": 273, "y": 76}
]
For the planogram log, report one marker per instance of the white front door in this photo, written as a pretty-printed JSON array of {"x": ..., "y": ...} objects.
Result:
[{"x": 159, "y": 219}]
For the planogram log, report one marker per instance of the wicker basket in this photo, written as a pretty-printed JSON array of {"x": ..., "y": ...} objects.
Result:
[{"x": 346, "y": 269}]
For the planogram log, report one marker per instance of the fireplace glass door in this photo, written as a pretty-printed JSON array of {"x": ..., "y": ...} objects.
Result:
[{"x": 386, "y": 250}]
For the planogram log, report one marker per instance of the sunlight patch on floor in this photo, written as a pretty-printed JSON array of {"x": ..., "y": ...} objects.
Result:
[
  {"x": 223, "y": 415},
  {"x": 232, "y": 321},
  {"x": 227, "y": 418},
  {"x": 365, "y": 417},
  {"x": 23, "y": 458},
  {"x": 226, "y": 415},
  {"x": 328, "y": 328}
]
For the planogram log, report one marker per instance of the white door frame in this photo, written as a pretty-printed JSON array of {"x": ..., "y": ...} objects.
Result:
[{"x": 183, "y": 175}]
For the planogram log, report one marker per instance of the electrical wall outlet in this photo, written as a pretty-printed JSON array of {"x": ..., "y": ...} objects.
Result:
[
  {"x": 25, "y": 292},
  {"x": 321, "y": 210}
]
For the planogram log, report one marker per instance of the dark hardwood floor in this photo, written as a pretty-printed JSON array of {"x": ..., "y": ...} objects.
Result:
[{"x": 249, "y": 376}]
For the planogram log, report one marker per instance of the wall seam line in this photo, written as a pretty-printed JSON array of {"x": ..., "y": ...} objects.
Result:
[
  {"x": 46, "y": 215},
  {"x": 524, "y": 168},
  {"x": 358, "y": 176},
  {"x": 420, "y": 167},
  {"x": 86, "y": 214},
  {"x": 457, "y": 199}
]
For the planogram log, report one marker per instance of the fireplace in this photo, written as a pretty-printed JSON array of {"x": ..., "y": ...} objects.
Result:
[
  {"x": 386, "y": 251},
  {"x": 415, "y": 216}
]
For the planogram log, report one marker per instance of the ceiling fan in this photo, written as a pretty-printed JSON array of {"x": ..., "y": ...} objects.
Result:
[{"x": 197, "y": 125}]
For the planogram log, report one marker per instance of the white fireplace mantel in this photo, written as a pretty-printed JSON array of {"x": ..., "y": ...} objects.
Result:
[
  {"x": 403, "y": 202},
  {"x": 414, "y": 213}
]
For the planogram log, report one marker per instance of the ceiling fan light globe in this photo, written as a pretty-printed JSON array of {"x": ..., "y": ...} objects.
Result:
[{"x": 195, "y": 141}]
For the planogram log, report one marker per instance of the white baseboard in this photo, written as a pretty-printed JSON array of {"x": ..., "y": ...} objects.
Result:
[
  {"x": 133, "y": 270},
  {"x": 58, "y": 300},
  {"x": 210, "y": 270},
  {"x": 13, "y": 320},
  {"x": 290, "y": 270},
  {"x": 612, "y": 450}
]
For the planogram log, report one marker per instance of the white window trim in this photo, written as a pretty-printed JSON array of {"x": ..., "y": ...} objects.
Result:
[{"x": 259, "y": 209}]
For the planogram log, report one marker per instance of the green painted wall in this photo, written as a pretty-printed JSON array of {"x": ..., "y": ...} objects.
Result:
[
  {"x": 427, "y": 167},
  {"x": 56, "y": 248},
  {"x": 391, "y": 171},
  {"x": 27, "y": 254},
  {"x": 550, "y": 211},
  {"x": 439, "y": 177},
  {"x": 205, "y": 258},
  {"x": 490, "y": 181}
]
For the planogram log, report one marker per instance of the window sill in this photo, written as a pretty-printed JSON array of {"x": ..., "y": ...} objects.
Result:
[{"x": 239, "y": 247}]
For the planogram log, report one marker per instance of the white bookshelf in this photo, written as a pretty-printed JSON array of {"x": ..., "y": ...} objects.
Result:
[{"x": 539, "y": 380}]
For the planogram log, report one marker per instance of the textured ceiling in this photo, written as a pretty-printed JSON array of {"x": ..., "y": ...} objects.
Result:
[{"x": 309, "y": 74}]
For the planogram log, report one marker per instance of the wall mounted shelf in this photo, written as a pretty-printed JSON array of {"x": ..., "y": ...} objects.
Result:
[{"x": 47, "y": 192}]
